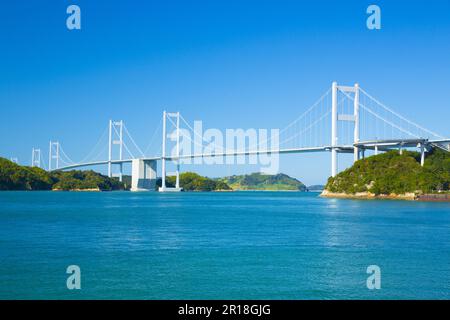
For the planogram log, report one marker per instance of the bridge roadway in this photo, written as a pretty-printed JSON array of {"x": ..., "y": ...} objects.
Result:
[
  {"x": 343, "y": 149},
  {"x": 378, "y": 145},
  {"x": 144, "y": 170}
]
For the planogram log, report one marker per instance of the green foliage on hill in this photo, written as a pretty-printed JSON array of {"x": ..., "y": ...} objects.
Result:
[
  {"x": 191, "y": 181},
  {"x": 259, "y": 181},
  {"x": 391, "y": 172},
  {"x": 82, "y": 180},
  {"x": 16, "y": 177}
]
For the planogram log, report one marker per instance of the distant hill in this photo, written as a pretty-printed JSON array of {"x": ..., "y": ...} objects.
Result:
[
  {"x": 316, "y": 187},
  {"x": 191, "y": 181},
  {"x": 259, "y": 181},
  {"x": 16, "y": 177}
]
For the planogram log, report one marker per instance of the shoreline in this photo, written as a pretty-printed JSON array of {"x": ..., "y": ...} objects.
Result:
[
  {"x": 79, "y": 190},
  {"x": 410, "y": 196},
  {"x": 126, "y": 190}
]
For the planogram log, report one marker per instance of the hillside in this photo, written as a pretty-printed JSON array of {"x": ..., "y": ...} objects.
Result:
[
  {"x": 259, "y": 181},
  {"x": 85, "y": 180},
  {"x": 191, "y": 181},
  {"x": 16, "y": 177},
  {"x": 392, "y": 173}
]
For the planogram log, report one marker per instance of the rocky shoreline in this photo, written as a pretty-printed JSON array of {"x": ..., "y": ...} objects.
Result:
[
  {"x": 434, "y": 197},
  {"x": 410, "y": 196},
  {"x": 78, "y": 190}
]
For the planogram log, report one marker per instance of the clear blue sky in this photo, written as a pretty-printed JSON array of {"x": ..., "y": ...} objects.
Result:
[{"x": 233, "y": 64}]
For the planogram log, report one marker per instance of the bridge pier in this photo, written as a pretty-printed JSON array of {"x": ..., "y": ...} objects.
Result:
[
  {"x": 422, "y": 154},
  {"x": 143, "y": 175}
]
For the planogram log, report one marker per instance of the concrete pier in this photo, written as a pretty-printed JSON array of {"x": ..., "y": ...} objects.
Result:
[{"x": 143, "y": 175}]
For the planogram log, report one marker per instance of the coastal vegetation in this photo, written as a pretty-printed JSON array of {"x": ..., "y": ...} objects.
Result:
[
  {"x": 191, "y": 181},
  {"x": 85, "y": 180},
  {"x": 16, "y": 177},
  {"x": 392, "y": 173},
  {"x": 259, "y": 181}
]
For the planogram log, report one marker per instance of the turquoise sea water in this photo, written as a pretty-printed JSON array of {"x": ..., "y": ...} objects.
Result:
[{"x": 241, "y": 245}]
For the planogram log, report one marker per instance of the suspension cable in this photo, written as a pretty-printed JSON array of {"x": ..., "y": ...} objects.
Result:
[
  {"x": 400, "y": 116},
  {"x": 153, "y": 136},
  {"x": 64, "y": 154},
  {"x": 95, "y": 146},
  {"x": 123, "y": 143},
  {"x": 383, "y": 119},
  {"x": 132, "y": 140}
]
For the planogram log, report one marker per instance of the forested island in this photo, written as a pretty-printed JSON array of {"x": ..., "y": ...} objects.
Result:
[
  {"x": 396, "y": 176},
  {"x": 266, "y": 182},
  {"x": 191, "y": 181},
  {"x": 16, "y": 177}
]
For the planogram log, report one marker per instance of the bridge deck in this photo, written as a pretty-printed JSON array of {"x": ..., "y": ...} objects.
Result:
[
  {"x": 346, "y": 148},
  {"x": 379, "y": 144}
]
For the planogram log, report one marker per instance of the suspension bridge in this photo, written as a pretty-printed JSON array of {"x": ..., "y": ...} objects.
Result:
[{"x": 345, "y": 119}]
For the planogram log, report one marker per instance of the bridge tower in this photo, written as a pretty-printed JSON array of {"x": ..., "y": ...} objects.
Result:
[
  {"x": 115, "y": 138},
  {"x": 53, "y": 155},
  {"x": 36, "y": 158},
  {"x": 170, "y": 116},
  {"x": 336, "y": 117}
]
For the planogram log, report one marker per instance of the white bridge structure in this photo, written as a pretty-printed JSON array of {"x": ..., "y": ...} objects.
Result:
[{"x": 345, "y": 119}]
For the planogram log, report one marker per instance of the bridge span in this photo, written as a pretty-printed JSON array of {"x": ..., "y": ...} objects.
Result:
[{"x": 345, "y": 119}]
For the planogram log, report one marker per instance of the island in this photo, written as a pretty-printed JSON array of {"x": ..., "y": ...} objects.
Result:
[
  {"x": 392, "y": 175},
  {"x": 264, "y": 182},
  {"x": 191, "y": 181},
  {"x": 14, "y": 177}
]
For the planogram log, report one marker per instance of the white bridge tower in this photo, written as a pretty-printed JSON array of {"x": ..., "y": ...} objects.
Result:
[
  {"x": 115, "y": 138},
  {"x": 36, "y": 158},
  {"x": 176, "y": 124},
  {"x": 53, "y": 155},
  {"x": 335, "y": 117}
]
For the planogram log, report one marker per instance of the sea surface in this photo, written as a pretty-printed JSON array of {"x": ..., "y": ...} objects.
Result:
[{"x": 233, "y": 245}]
